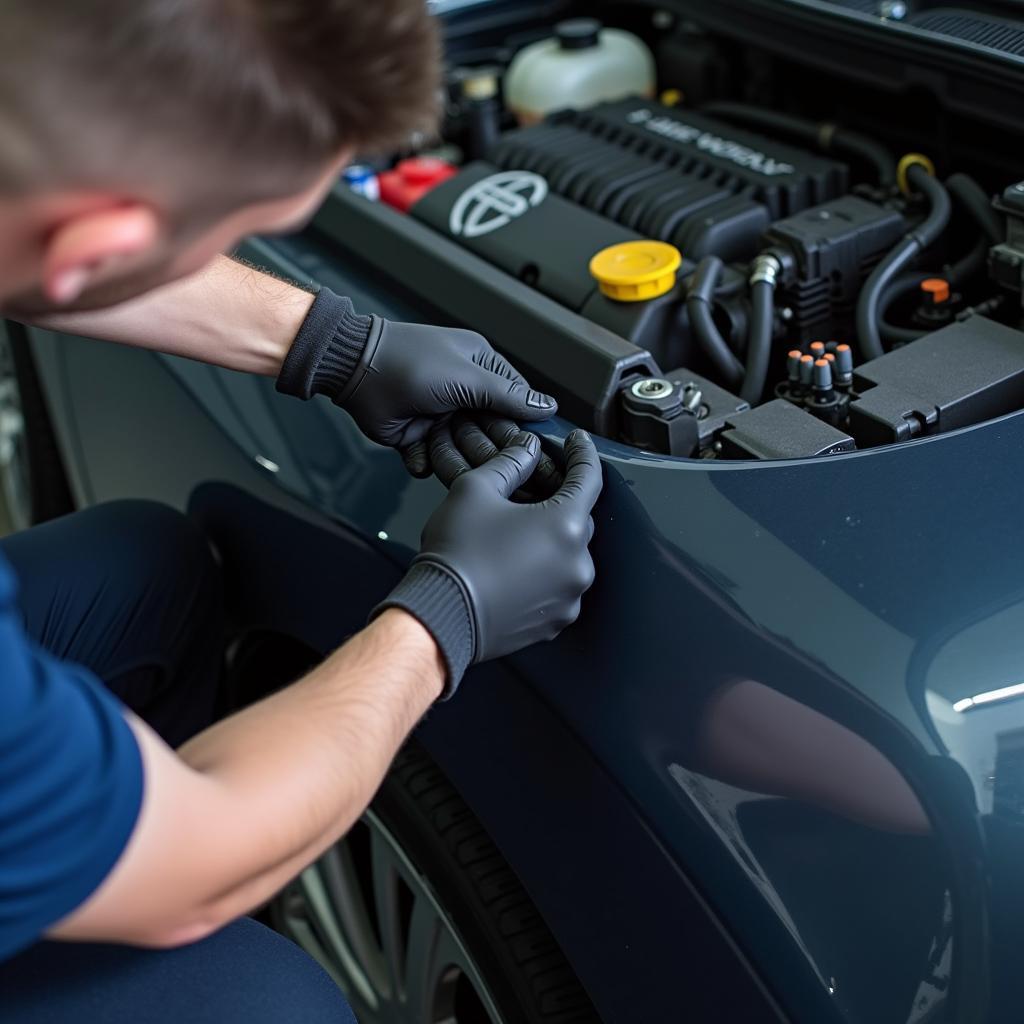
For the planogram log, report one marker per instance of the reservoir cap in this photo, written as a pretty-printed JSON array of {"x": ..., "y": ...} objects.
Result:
[
  {"x": 634, "y": 271},
  {"x": 578, "y": 33},
  {"x": 935, "y": 290}
]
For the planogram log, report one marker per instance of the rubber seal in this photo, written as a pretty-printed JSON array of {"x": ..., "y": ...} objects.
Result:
[{"x": 908, "y": 161}]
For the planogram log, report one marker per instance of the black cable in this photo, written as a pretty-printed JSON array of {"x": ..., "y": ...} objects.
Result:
[
  {"x": 698, "y": 305},
  {"x": 759, "y": 341},
  {"x": 826, "y": 137},
  {"x": 899, "y": 258}
]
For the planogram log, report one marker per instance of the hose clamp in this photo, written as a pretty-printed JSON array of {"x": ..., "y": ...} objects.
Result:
[{"x": 767, "y": 268}]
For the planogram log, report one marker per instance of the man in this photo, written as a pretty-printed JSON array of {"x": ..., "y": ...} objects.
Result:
[{"x": 141, "y": 138}]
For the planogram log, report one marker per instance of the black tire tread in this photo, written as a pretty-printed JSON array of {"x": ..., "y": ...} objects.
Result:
[{"x": 514, "y": 948}]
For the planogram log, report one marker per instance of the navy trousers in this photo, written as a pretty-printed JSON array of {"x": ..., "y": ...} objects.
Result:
[{"x": 131, "y": 590}]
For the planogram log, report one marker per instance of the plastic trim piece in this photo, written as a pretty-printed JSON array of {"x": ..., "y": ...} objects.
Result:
[{"x": 581, "y": 363}]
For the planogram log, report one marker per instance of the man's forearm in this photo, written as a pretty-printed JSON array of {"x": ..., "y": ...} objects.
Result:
[
  {"x": 245, "y": 805},
  {"x": 228, "y": 314},
  {"x": 311, "y": 757}
]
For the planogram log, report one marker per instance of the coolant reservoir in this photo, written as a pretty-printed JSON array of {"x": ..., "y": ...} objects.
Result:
[{"x": 582, "y": 64}]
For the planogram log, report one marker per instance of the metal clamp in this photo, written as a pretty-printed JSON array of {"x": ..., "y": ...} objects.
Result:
[{"x": 767, "y": 268}]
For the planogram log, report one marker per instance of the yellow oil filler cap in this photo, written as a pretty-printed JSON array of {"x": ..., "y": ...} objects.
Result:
[{"x": 634, "y": 271}]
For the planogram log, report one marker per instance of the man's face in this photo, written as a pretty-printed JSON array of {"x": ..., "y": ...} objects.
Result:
[{"x": 183, "y": 254}]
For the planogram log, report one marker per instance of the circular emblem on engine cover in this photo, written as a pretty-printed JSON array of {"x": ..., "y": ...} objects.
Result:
[{"x": 494, "y": 201}]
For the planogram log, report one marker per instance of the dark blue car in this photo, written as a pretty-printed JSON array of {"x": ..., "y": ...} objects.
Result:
[{"x": 775, "y": 772}]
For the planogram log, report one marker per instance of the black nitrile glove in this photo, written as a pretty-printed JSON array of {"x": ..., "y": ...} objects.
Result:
[
  {"x": 470, "y": 439},
  {"x": 397, "y": 380},
  {"x": 492, "y": 576}
]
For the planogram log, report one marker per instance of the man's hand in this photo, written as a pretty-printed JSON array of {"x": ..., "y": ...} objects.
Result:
[
  {"x": 494, "y": 576},
  {"x": 398, "y": 380},
  {"x": 418, "y": 374},
  {"x": 470, "y": 439}
]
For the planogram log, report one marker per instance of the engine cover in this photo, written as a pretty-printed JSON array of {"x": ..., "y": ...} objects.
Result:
[
  {"x": 552, "y": 195},
  {"x": 513, "y": 220},
  {"x": 676, "y": 176}
]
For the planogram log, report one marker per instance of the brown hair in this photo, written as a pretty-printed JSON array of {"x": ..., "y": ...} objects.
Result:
[{"x": 240, "y": 97}]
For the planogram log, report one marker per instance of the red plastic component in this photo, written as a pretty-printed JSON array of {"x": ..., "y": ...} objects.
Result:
[{"x": 412, "y": 179}]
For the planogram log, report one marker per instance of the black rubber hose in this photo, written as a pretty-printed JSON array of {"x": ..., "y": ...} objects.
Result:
[
  {"x": 895, "y": 335},
  {"x": 902, "y": 284},
  {"x": 958, "y": 274},
  {"x": 899, "y": 258},
  {"x": 869, "y": 304},
  {"x": 698, "y": 305},
  {"x": 971, "y": 196},
  {"x": 969, "y": 265},
  {"x": 759, "y": 341},
  {"x": 825, "y": 137}
]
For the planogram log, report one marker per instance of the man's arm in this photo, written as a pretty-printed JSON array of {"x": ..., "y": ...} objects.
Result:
[
  {"x": 395, "y": 380},
  {"x": 244, "y": 806},
  {"x": 228, "y": 314},
  {"x": 241, "y": 808}
]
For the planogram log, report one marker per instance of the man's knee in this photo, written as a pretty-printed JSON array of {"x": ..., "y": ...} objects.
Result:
[
  {"x": 130, "y": 590},
  {"x": 156, "y": 539},
  {"x": 244, "y": 974},
  {"x": 279, "y": 980},
  {"x": 163, "y": 650}
]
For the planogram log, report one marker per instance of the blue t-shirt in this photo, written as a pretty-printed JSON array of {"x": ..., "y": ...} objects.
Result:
[{"x": 70, "y": 782}]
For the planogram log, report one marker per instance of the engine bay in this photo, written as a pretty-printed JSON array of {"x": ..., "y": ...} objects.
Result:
[{"x": 738, "y": 280}]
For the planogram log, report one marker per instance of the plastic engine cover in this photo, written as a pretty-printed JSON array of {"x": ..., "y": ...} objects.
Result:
[
  {"x": 513, "y": 220},
  {"x": 672, "y": 175}
]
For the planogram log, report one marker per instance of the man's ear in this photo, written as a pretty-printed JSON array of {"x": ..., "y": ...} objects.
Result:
[{"x": 83, "y": 248}]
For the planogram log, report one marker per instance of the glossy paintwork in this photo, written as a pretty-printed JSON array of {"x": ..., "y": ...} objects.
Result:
[
  {"x": 621, "y": 908},
  {"x": 767, "y": 668}
]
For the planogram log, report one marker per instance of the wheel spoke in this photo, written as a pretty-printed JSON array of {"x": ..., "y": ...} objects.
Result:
[
  {"x": 414, "y": 970},
  {"x": 386, "y": 882},
  {"x": 420, "y": 971},
  {"x": 448, "y": 964},
  {"x": 341, "y": 879},
  {"x": 293, "y": 918},
  {"x": 451, "y": 962},
  {"x": 320, "y": 905},
  {"x": 305, "y": 935}
]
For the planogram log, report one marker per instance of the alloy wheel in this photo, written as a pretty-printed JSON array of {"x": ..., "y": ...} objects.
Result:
[{"x": 375, "y": 925}]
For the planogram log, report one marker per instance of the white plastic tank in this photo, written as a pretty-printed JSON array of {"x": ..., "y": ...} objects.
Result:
[{"x": 582, "y": 64}]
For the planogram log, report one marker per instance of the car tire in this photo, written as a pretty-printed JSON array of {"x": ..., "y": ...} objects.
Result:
[
  {"x": 418, "y": 877},
  {"x": 32, "y": 476}
]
